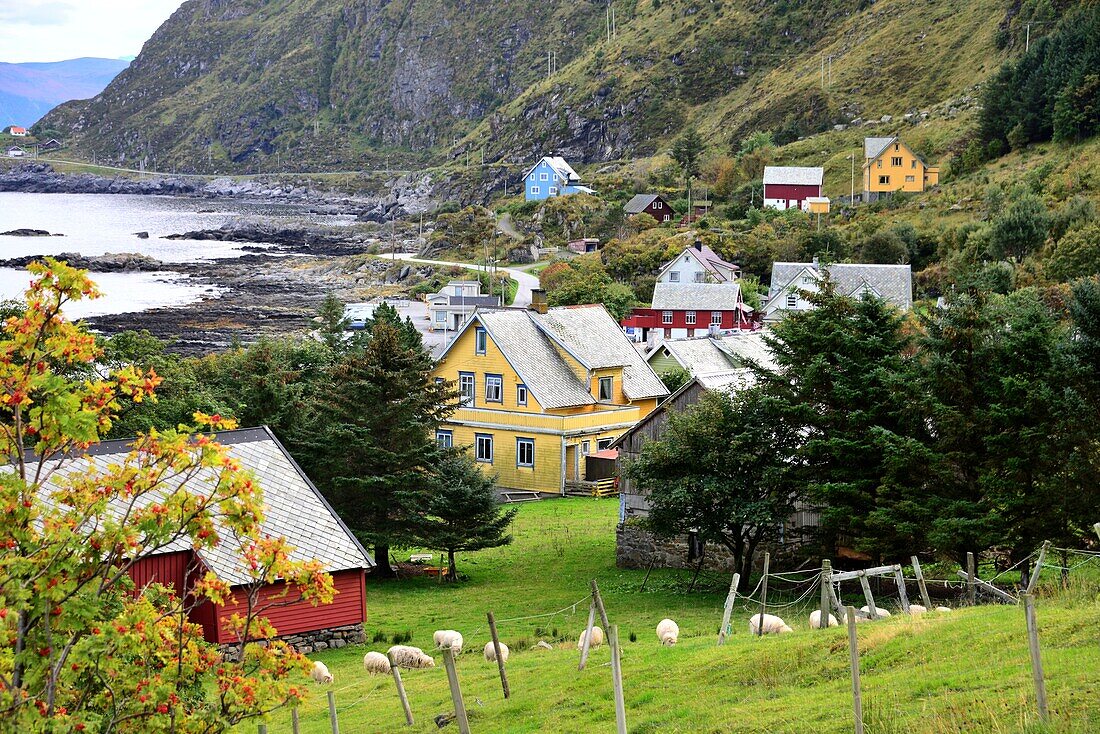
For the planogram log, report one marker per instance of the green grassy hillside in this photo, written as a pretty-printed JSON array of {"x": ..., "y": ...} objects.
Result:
[{"x": 963, "y": 671}]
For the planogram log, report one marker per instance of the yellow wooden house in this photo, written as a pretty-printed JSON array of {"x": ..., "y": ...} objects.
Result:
[
  {"x": 890, "y": 165},
  {"x": 541, "y": 389}
]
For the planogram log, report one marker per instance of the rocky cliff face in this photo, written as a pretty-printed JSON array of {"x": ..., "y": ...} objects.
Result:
[{"x": 255, "y": 85}]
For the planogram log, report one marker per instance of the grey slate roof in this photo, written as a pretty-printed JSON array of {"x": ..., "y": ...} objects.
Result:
[
  {"x": 597, "y": 341},
  {"x": 728, "y": 381},
  {"x": 793, "y": 175},
  {"x": 543, "y": 370},
  {"x": 748, "y": 346},
  {"x": 639, "y": 203},
  {"x": 872, "y": 147},
  {"x": 696, "y": 296},
  {"x": 894, "y": 283},
  {"x": 293, "y": 508},
  {"x": 698, "y": 356}
]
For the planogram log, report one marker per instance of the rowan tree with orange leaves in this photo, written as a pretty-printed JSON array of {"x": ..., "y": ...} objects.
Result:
[{"x": 79, "y": 650}]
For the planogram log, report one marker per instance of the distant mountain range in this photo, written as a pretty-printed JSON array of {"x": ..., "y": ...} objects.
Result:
[{"x": 30, "y": 90}]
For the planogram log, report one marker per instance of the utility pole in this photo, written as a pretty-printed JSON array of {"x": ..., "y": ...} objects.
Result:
[
  {"x": 830, "y": 72},
  {"x": 852, "y": 195},
  {"x": 608, "y": 20},
  {"x": 1027, "y": 38},
  {"x": 822, "y": 71}
]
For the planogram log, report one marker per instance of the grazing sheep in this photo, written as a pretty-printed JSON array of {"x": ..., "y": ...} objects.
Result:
[
  {"x": 916, "y": 609},
  {"x": 491, "y": 652},
  {"x": 773, "y": 625},
  {"x": 668, "y": 632},
  {"x": 815, "y": 620},
  {"x": 597, "y": 638},
  {"x": 943, "y": 609},
  {"x": 411, "y": 657},
  {"x": 376, "y": 663},
  {"x": 448, "y": 638},
  {"x": 882, "y": 613},
  {"x": 543, "y": 645},
  {"x": 320, "y": 672}
]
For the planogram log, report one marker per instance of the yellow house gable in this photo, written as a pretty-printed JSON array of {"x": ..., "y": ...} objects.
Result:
[
  {"x": 475, "y": 359},
  {"x": 898, "y": 168}
]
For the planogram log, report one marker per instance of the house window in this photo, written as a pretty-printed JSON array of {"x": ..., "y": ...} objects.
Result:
[
  {"x": 910, "y": 179},
  {"x": 445, "y": 439},
  {"x": 607, "y": 387},
  {"x": 792, "y": 301},
  {"x": 715, "y": 318},
  {"x": 666, "y": 317},
  {"x": 543, "y": 176},
  {"x": 483, "y": 448},
  {"x": 674, "y": 276},
  {"x": 806, "y": 280},
  {"x": 494, "y": 389},
  {"x": 700, "y": 277},
  {"x": 480, "y": 341},
  {"x": 913, "y": 163},
  {"x": 667, "y": 217},
  {"x": 534, "y": 189},
  {"x": 553, "y": 191},
  {"x": 885, "y": 180},
  {"x": 466, "y": 389},
  {"x": 525, "y": 452},
  {"x": 586, "y": 448},
  {"x": 895, "y": 161},
  {"x": 880, "y": 163},
  {"x": 604, "y": 443},
  {"x": 659, "y": 205},
  {"x": 689, "y": 317},
  {"x": 521, "y": 394}
]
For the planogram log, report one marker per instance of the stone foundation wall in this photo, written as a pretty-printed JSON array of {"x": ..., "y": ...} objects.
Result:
[
  {"x": 307, "y": 642},
  {"x": 638, "y": 548}
]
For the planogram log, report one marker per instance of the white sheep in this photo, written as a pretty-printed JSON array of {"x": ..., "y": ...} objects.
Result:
[
  {"x": 815, "y": 620},
  {"x": 916, "y": 609},
  {"x": 882, "y": 613},
  {"x": 668, "y": 632},
  {"x": 320, "y": 672},
  {"x": 943, "y": 609},
  {"x": 773, "y": 625},
  {"x": 597, "y": 638},
  {"x": 491, "y": 652},
  {"x": 410, "y": 657},
  {"x": 376, "y": 663},
  {"x": 448, "y": 638}
]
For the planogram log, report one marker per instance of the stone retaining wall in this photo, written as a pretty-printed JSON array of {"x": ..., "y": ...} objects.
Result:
[
  {"x": 638, "y": 548},
  {"x": 307, "y": 642}
]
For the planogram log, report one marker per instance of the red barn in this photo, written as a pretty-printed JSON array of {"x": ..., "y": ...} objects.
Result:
[
  {"x": 787, "y": 187},
  {"x": 294, "y": 509}
]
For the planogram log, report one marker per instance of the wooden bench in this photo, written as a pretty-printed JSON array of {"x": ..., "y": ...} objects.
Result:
[{"x": 521, "y": 496}]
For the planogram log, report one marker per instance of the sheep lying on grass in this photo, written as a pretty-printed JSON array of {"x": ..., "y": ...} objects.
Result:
[
  {"x": 916, "y": 609},
  {"x": 320, "y": 672},
  {"x": 815, "y": 620},
  {"x": 773, "y": 625},
  {"x": 597, "y": 638},
  {"x": 882, "y": 613},
  {"x": 668, "y": 632},
  {"x": 376, "y": 663},
  {"x": 448, "y": 638},
  {"x": 491, "y": 652},
  {"x": 943, "y": 609},
  {"x": 411, "y": 657}
]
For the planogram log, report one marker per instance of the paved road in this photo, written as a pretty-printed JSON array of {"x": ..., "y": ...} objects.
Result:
[{"x": 527, "y": 282}]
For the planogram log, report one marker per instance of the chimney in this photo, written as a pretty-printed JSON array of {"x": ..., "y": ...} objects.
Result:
[
  {"x": 538, "y": 300},
  {"x": 699, "y": 245}
]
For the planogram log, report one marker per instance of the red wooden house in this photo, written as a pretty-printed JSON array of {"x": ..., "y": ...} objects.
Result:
[
  {"x": 787, "y": 187},
  {"x": 651, "y": 204},
  {"x": 294, "y": 509}
]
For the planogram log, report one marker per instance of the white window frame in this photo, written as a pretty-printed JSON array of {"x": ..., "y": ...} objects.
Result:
[
  {"x": 604, "y": 443},
  {"x": 792, "y": 300},
  {"x": 715, "y": 318},
  {"x": 666, "y": 318},
  {"x": 553, "y": 191},
  {"x": 521, "y": 395},
  {"x": 482, "y": 440},
  {"x": 494, "y": 388},
  {"x": 610, "y": 382},
  {"x": 689, "y": 318},
  {"x": 544, "y": 176},
  {"x": 535, "y": 190},
  {"x": 674, "y": 276},
  {"x": 529, "y": 444},
  {"x": 586, "y": 448},
  {"x": 446, "y": 439},
  {"x": 467, "y": 379},
  {"x": 481, "y": 341}
]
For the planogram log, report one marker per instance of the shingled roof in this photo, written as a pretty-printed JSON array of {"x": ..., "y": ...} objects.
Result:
[
  {"x": 696, "y": 296},
  {"x": 793, "y": 175},
  {"x": 893, "y": 283},
  {"x": 293, "y": 507},
  {"x": 873, "y": 147},
  {"x": 640, "y": 203}
]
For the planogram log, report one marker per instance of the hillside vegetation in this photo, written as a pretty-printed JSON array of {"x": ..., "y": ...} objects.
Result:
[{"x": 322, "y": 84}]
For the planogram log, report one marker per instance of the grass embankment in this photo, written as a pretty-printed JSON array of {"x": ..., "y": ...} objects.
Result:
[{"x": 964, "y": 671}]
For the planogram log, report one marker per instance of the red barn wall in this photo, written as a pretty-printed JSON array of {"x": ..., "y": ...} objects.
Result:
[
  {"x": 169, "y": 569},
  {"x": 349, "y": 606}
]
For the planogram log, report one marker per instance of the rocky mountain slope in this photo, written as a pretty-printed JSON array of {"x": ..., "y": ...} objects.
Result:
[{"x": 251, "y": 85}]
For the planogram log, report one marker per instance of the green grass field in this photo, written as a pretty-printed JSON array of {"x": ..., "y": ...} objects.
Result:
[{"x": 964, "y": 671}]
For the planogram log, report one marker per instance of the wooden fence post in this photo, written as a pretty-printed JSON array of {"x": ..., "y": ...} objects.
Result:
[
  {"x": 923, "y": 586},
  {"x": 1036, "y": 658},
  {"x": 456, "y": 691},
  {"x": 731, "y": 597},
  {"x": 1034, "y": 580},
  {"x": 971, "y": 574},
  {"x": 871, "y": 608},
  {"x": 500, "y": 658},
  {"x": 395, "y": 669},
  {"x": 295, "y": 725},
  {"x": 763, "y": 595},
  {"x": 587, "y": 642},
  {"x": 826, "y": 585},
  {"x": 599, "y": 604},
  {"x": 617, "y": 679},
  {"x": 853, "y": 661},
  {"x": 332, "y": 713},
  {"x": 1096, "y": 527},
  {"x": 902, "y": 592}
]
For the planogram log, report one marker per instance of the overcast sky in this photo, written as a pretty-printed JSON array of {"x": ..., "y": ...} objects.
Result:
[{"x": 54, "y": 30}]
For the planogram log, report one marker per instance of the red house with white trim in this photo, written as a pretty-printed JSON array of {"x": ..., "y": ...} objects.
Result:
[{"x": 787, "y": 187}]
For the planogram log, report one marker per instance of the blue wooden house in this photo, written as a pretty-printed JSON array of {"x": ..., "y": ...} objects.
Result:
[{"x": 552, "y": 176}]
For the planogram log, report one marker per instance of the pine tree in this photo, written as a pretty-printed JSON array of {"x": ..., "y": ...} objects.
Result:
[
  {"x": 334, "y": 323},
  {"x": 464, "y": 513},
  {"x": 369, "y": 442},
  {"x": 687, "y": 151}
]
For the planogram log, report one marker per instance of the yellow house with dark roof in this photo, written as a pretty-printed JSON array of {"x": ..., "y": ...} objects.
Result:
[
  {"x": 890, "y": 165},
  {"x": 540, "y": 391}
]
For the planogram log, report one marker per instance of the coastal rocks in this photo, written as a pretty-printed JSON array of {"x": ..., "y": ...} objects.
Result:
[
  {"x": 40, "y": 178},
  {"x": 29, "y": 233},
  {"x": 141, "y": 235},
  {"x": 122, "y": 262},
  {"x": 293, "y": 239}
]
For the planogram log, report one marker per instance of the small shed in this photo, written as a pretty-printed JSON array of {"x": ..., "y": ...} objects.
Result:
[
  {"x": 816, "y": 205},
  {"x": 585, "y": 245},
  {"x": 603, "y": 464}
]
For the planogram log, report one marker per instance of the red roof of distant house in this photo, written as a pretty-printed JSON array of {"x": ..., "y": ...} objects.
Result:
[{"x": 16, "y": 130}]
